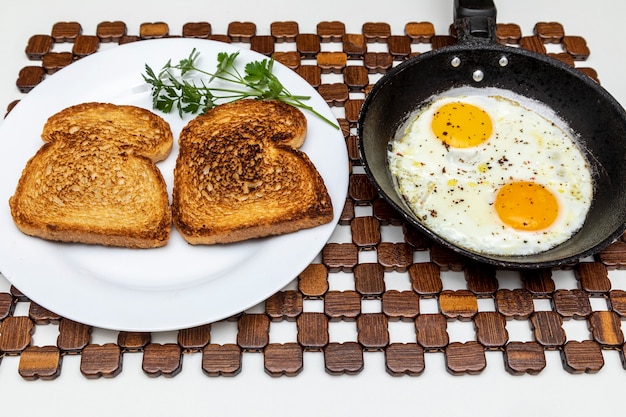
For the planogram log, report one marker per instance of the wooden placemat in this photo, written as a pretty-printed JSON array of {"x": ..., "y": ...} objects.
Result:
[{"x": 403, "y": 296}]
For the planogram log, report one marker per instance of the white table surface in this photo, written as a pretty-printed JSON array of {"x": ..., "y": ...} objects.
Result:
[{"x": 313, "y": 392}]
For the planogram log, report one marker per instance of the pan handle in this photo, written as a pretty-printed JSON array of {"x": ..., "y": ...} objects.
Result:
[{"x": 475, "y": 21}]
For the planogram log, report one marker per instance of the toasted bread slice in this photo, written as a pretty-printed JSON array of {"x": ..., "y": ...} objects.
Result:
[
  {"x": 88, "y": 186},
  {"x": 131, "y": 128},
  {"x": 238, "y": 176}
]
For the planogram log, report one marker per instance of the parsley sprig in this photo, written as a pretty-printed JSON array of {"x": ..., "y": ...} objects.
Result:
[{"x": 190, "y": 89}]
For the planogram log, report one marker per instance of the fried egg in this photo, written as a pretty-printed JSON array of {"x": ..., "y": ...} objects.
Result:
[{"x": 492, "y": 172}]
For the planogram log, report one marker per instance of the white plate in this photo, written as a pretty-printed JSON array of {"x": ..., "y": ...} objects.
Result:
[{"x": 179, "y": 285}]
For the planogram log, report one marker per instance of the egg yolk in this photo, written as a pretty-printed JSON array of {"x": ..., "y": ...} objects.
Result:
[
  {"x": 526, "y": 205},
  {"x": 461, "y": 125}
]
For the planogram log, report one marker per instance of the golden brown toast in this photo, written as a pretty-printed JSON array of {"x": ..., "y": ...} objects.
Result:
[
  {"x": 85, "y": 186},
  {"x": 238, "y": 175}
]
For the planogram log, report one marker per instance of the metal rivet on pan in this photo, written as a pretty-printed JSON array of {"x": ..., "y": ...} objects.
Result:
[
  {"x": 456, "y": 61},
  {"x": 478, "y": 75},
  {"x": 504, "y": 61}
]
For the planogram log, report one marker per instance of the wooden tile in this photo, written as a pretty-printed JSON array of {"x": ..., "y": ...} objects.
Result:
[
  {"x": 332, "y": 62},
  {"x": 85, "y": 45},
  {"x": 347, "y": 213},
  {"x": 582, "y": 357},
  {"x": 465, "y": 358},
  {"x": 426, "y": 278},
  {"x": 262, "y": 44},
  {"x": 593, "y": 277},
  {"x": 308, "y": 44},
  {"x": 133, "y": 341},
  {"x": 395, "y": 256},
  {"x": 342, "y": 305},
  {"x": 399, "y": 47},
  {"x": 340, "y": 256},
  {"x": 154, "y": 30},
  {"x": 284, "y": 31},
  {"x": 400, "y": 305},
  {"x": 331, "y": 31},
  {"x": 311, "y": 73},
  {"x": 354, "y": 45},
  {"x": 198, "y": 30},
  {"x": 447, "y": 259},
  {"x": 481, "y": 279},
  {"x": 549, "y": 32},
  {"x": 41, "y": 315},
  {"x": 18, "y": 295},
  {"x": 532, "y": 43},
  {"x": 404, "y": 359},
  {"x": 432, "y": 331},
  {"x": 508, "y": 33},
  {"x": 524, "y": 358},
  {"x": 98, "y": 361},
  {"x": 221, "y": 360},
  {"x": 355, "y": 77},
  {"x": 73, "y": 336},
  {"x": 312, "y": 330},
  {"x": 605, "y": 327},
  {"x": 289, "y": 59},
  {"x": 284, "y": 305},
  {"x": 343, "y": 358},
  {"x": 241, "y": 31},
  {"x": 128, "y": 39},
  {"x": 162, "y": 360},
  {"x": 386, "y": 214},
  {"x": 571, "y": 303},
  {"x": 54, "y": 61},
  {"x": 29, "y": 77},
  {"x": 15, "y": 334},
  {"x": 617, "y": 302},
  {"x": 352, "y": 109},
  {"x": 40, "y": 363},
  {"x": 313, "y": 281},
  {"x": 576, "y": 46},
  {"x": 372, "y": 331},
  {"x": 369, "y": 279},
  {"x": 365, "y": 232},
  {"x": 459, "y": 304},
  {"x": 194, "y": 339},
  {"x": 361, "y": 190},
  {"x": 376, "y": 31},
  {"x": 283, "y": 359},
  {"x": 516, "y": 303},
  {"x": 415, "y": 238},
  {"x": 220, "y": 38},
  {"x": 111, "y": 31},
  {"x": 614, "y": 255},
  {"x": 253, "y": 332},
  {"x": 38, "y": 46},
  {"x": 335, "y": 94},
  {"x": 589, "y": 72},
  {"x": 563, "y": 57},
  {"x": 538, "y": 282},
  {"x": 491, "y": 329},
  {"x": 377, "y": 62},
  {"x": 7, "y": 305},
  {"x": 547, "y": 329},
  {"x": 419, "y": 32},
  {"x": 441, "y": 41},
  {"x": 66, "y": 31}
]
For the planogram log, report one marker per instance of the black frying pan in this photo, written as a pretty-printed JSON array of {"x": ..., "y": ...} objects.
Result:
[{"x": 477, "y": 60}]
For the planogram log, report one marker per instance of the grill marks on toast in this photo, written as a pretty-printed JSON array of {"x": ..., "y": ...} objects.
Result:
[
  {"x": 97, "y": 186},
  {"x": 238, "y": 175}
]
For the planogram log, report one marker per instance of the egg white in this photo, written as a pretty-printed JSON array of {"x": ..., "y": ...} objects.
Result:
[{"x": 452, "y": 190}]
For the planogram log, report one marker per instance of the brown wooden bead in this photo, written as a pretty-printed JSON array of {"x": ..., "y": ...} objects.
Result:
[
  {"x": 312, "y": 330},
  {"x": 399, "y": 46},
  {"x": 447, "y": 259},
  {"x": 538, "y": 282},
  {"x": 313, "y": 281},
  {"x": 372, "y": 331},
  {"x": 308, "y": 44},
  {"x": 377, "y": 62},
  {"x": 133, "y": 341},
  {"x": 404, "y": 359},
  {"x": 491, "y": 329},
  {"x": 361, "y": 190},
  {"x": 400, "y": 305},
  {"x": 376, "y": 31},
  {"x": 614, "y": 255},
  {"x": 40, "y": 363},
  {"x": 101, "y": 361},
  {"x": 66, "y": 31},
  {"x": 85, "y": 45},
  {"x": 352, "y": 110},
  {"x": 224, "y": 360},
  {"x": 385, "y": 213},
  {"x": 311, "y": 73},
  {"x": 241, "y": 31},
  {"x": 289, "y": 59},
  {"x": 605, "y": 327},
  {"x": 194, "y": 339},
  {"x": 432, "y": 331},
  {"x": 354, "y": 45},
  {"x": 419, "y": 32},
  {"x": 617, "y": 302},
  {"x": 395, "y": 256},
  {"x": 508, "y": 33},
  {"x": 481, "y": 279},
  {"x": 284, "y": 31},
  {"x": 29, "y": 77},
  {"x": 15, "y": 334},
  {"x": 425, "y": 278},
  {"x": 283, "y": 359},
  {"x": 532, "y": 43},
  {"x": 465, "y": 358},
  {"x": 41, "y": 315},
  {"x": 549, "y": 32},
  {"x": 332, "y": 62},
  {"x": 516, "y": 303},
  {"x": 153, "y": 30},
  {"x": 571, "y": 303},
  {"x": 284, "y": 305},
  {"x": 331, "y": 31},
  {"x": 365, "y": 232},
  {"x": 524, "y": 358},
  {"x": 340, "y": 256},
  {"x": 73, "y": 336},
  {"x": 162, "y": 360},
  {"x": 582, "y": 357},
  {"x": 547, "y": 328},
  {"x": 7, "y": 305},
  {"x": 111, "y": 31},
  {"x": 369, "y": 279},
  {"x": 38, "y": 46},
  {"x": 54, "y": 61},
  {"x": 199, "y": 30},
  {"x": 355, "y": 77},
  {"x": 593, "y": 277},
  {"x": 342, "y": 305},
  {"x": 262, "y": 44},
  {"x": 347, "y": 214},
  {"x": 343, "y": 358},
  {"x": 335, "y": 94},
  {"x": 460, "y": 304},
  {"x": 576, "y": 46},
  {"x": 253, "y": 332}
]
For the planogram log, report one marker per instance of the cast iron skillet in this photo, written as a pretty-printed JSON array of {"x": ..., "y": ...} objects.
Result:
[{"x": 477, "y": 60}]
